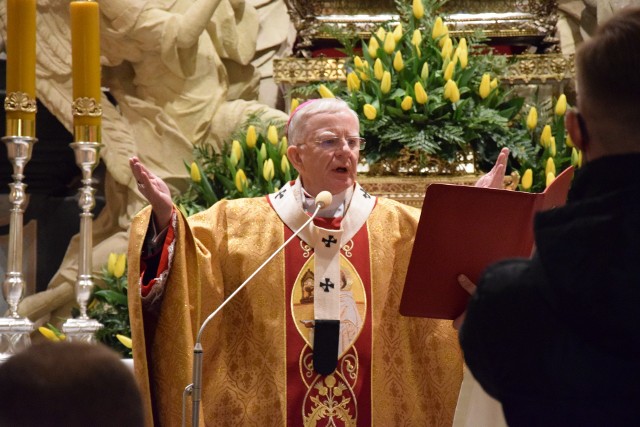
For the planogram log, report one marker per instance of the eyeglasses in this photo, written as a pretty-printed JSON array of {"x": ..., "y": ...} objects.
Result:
[{"x": 333, "y": 143}]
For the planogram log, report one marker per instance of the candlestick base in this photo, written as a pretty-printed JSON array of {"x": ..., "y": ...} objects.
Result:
[
  {"x": 14, "y": 336},
  {"x": 81, "y": 330}
]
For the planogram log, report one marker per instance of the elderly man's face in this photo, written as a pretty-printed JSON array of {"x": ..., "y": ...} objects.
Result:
[{"x": 323, "y": 167}]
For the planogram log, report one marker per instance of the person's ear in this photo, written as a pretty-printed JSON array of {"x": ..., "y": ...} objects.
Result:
[
  {"x": 293, "y": 154},
  {"x": 577, "y": 129}
]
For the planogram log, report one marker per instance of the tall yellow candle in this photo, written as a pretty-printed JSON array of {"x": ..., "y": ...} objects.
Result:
[
  {"x": 21, "y": 67},
  {"x": 85, "y": 61}
]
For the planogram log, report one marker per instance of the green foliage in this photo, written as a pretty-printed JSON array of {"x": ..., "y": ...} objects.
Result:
[
  {"x": 449, "y": 128},
  {"x": 218, "y": 172}
]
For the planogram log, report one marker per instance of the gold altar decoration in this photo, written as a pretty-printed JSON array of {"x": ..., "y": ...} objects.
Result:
[
  {"x": 525, "y": 69},
  {"x": 525, "y": 21}
]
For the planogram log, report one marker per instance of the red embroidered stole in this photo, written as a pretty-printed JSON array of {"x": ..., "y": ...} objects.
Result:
[{"x": 344, "y": 397}]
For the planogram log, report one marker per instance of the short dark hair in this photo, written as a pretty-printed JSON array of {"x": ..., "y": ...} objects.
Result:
[
  {"x": 68, "y": 384},
  {"x": 608, "y": 67}
]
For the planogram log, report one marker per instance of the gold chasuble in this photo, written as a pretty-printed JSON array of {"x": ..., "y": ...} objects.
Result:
[{"x": 258, "y": 357}]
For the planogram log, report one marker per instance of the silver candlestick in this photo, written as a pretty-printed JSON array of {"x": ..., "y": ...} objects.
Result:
[
  {"x": 86, "y": 148},
  {"x": 15, "y": 330}
]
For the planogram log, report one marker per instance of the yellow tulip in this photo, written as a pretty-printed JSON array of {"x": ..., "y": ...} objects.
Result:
[
  {"x": 438, "y": 28},
  {"x": 272, "y": 135},
  {"x": 381, "y": 33},
  {"x": 407, "y": 103},
  {"x": 252, "y": 137},
  {"x": 370, "y": 111},
  {"x": 424, "y": 73},
  {"x": 358, "y": 62},
  {"x": 263, "y": 151},
  {"x": 353, "y": 82},
  {"x": 552, "y": 147},
  {"x": 561, "y": 105},
  {"x": 240, "y": 180},
  {"x": 398, "y": 63},
  {"x": 121, "y": 265},
  {"x": 284, "y": 144},
  {"x": 550, "y": 167},
  {"x": 532, "y": 118},
  {"x": 447, "y": 48},
  {"x": 325, "y": 92},
  {"x": 397, "y": 33},
  {"x": 373, "y": 47},
  {"x": 294, "y": 104},
  {"x": 284, "y": 165},
  {"x": 462, "y": 44},
  {"x": 111, "y": 262},
  {"x": 545, "y": 136},
  {"x": 494, "y": 83},
  {"x": 579, "y": 158},
  {"x": 418, "y": 52},
  {"x": 236, "y": 149},
  {"x": 378, "y": 69},
  {"x": 268, "y": 170},
  {"x": 527, "y": 179},
  {"x": 126, "y": 341},
  {"x": 416, "y": 39},
  {"x": 452, "y": 91},
  {"x": 550, "y": 177},
  {"x": 421, "y": 94},
  {"x": 364, "y": 74},
  {"x": 385, "y": 84},
  {"x": 485, "y": 87},
  {"x": 463, "y": 57},
  {"x": 389, "y": 44},
  {"x": 574, "y": 156},
  {"x": 569, "y": 141},
  {"x": 418, "y": 9},
  {"x": 48, "y": 334},
  {"x": 448, "y": 73},
  {"x": 195, "y": 173}
]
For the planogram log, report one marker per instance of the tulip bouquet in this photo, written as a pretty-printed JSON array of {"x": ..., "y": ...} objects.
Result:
[
  {"x": 553, "y": 149},
  {"x": 108, "y": 305},
  {"x": 421, "y": 93},
  {"x": 253, "y": 163}
]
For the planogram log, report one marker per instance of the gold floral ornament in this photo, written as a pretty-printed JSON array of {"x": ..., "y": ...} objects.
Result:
[{"x": 406, "y": 106}]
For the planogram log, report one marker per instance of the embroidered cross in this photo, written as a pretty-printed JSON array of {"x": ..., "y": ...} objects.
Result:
[
  {"x": 280, "y": 194},
  {"x": 326, "y": 284},
  {"x": 329, "y": 241},
  {"x": 365, "y": 194}
]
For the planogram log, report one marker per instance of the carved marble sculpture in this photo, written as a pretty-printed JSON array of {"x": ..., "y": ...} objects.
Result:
[{"x": 167, "y": 63}]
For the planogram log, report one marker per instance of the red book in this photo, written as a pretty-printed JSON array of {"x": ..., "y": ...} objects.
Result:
[{"x": 462, "y": 230}]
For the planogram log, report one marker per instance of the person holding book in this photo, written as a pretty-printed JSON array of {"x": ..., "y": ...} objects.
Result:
[
  {"x": 554, "y": 338},
  {"x": 260, "y": 354}
]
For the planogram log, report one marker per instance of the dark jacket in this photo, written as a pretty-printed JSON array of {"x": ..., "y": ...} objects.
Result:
[{"x": 557, "y": 338}]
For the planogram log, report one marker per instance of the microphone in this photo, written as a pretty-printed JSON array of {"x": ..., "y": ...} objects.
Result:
[{"x": 322, "y": 200}]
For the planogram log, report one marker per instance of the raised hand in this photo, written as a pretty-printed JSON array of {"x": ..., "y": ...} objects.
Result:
[
  {"x": 155, "y": 190},
  {"x": 495, "y": 177}
]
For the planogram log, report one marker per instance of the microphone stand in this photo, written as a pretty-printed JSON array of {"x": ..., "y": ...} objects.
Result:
[{"x": 195, "y": 388}]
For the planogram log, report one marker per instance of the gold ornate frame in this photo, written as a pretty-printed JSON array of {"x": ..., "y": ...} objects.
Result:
[{"x": 521, "y": 21}]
